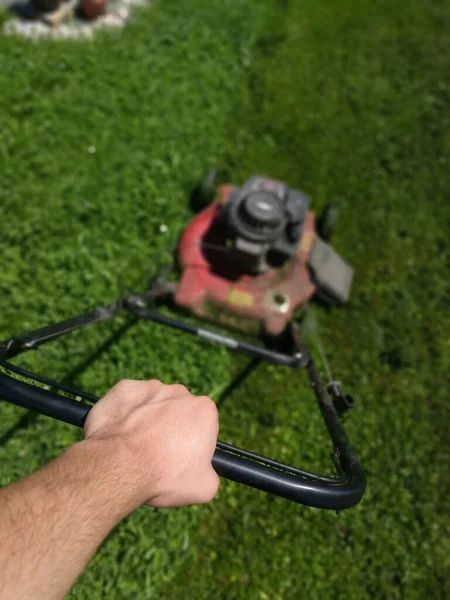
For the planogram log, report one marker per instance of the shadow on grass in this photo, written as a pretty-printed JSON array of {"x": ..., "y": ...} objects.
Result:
[
  {"x": 240, "y": 378},
  {"x": 104, "y": 347},
  {"x": 30, "y": 417}
]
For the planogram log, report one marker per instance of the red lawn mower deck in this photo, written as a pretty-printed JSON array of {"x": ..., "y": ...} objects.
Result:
[{"x": 254, "y": 255}]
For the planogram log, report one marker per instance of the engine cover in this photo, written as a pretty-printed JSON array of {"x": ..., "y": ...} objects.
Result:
[{"x": 263, "y": 221}]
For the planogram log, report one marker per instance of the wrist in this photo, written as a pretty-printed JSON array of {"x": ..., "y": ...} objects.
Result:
[{"x": 109, "y": 466}]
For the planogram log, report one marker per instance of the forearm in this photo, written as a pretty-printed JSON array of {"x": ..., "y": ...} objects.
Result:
[
  {"x": 52, "y": 521},
  {"x": 146, "y": 442}
]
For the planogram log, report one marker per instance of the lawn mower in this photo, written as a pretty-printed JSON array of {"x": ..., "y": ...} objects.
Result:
[{"x": 250, "y": 260}]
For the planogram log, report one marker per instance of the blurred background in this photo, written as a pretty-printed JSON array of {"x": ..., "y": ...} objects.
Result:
[{"x": 101, "y": 142}]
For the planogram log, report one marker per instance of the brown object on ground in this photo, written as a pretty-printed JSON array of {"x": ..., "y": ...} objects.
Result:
[{"x": 93, "y": 8}]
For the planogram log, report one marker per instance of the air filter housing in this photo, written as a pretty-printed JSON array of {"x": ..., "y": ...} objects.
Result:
[{"x": 263, "y": 221}]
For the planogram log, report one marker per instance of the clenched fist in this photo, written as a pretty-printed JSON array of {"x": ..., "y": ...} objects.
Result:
[{"x": 162, "y": 439}]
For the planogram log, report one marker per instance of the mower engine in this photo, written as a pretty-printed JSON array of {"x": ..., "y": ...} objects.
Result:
[
  {"x": 264, "y": 221},
  {"x": 254, "y": 256}
]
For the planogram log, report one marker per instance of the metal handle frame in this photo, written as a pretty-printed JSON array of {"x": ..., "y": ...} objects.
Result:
[{"x": 265, "y": 474}]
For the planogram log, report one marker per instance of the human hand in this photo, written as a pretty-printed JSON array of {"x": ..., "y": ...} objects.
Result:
[{"x": 161, "y": 439}]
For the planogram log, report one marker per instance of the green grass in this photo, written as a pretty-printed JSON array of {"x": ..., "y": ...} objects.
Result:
[{"x": 343, "y": 99}]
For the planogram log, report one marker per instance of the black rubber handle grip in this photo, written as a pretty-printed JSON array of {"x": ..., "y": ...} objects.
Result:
[{"x": 228, "y": 461}]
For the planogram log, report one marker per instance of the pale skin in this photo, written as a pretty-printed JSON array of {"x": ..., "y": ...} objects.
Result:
[{"x": 145, "y": 443}]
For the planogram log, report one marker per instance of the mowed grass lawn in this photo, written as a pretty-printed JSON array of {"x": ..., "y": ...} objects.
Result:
[{"x": 100, "y": 144}]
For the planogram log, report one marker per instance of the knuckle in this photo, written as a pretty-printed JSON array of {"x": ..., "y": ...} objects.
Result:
[
  {"x": 123, "y": 385},
  {"x": 178, "y": 389},
  {"x": 137, "y": 387},
  {"x": 153, "y": 385},
  {"x": 208, "y": 406}
]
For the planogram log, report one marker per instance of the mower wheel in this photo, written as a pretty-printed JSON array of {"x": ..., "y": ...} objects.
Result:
[
  {"x": 327, "y": 221},
  {"x": 208, "y": 186},
  {"x": 205, "y": 191}
]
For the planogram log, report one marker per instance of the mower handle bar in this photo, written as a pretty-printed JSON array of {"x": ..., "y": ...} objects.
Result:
[
  {"x": 242, "y": 466},
  {"x": 228, "y": 461}
]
